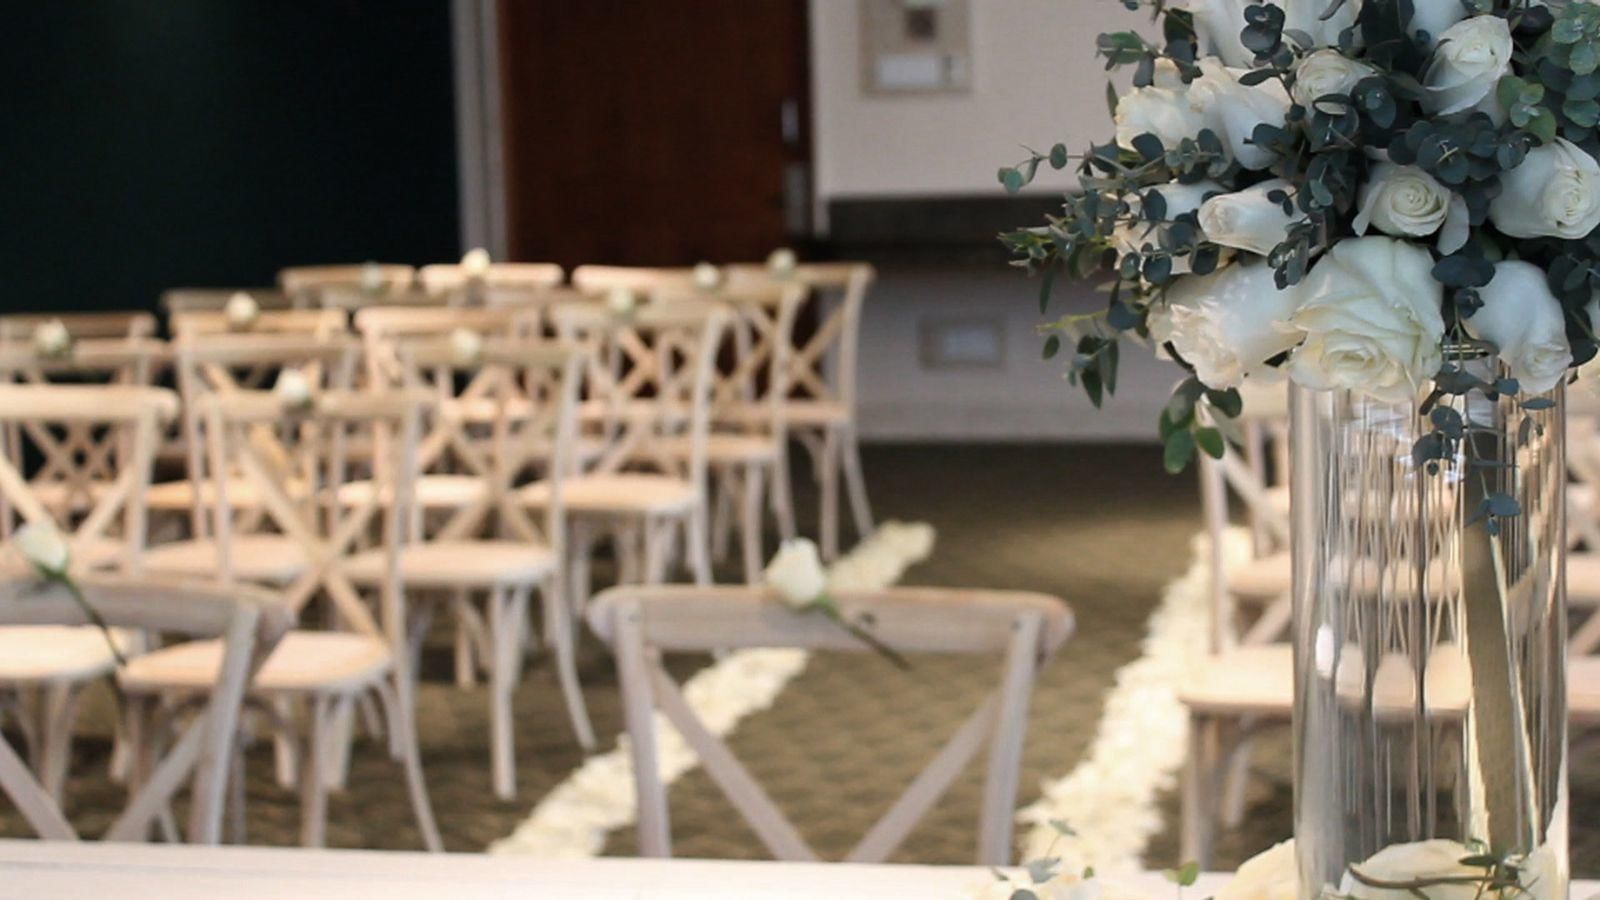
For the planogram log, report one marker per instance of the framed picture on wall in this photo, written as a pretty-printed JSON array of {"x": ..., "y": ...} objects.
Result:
[{"x": 916, "y": 46}]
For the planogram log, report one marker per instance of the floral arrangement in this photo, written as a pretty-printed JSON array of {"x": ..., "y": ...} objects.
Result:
[
  {"x": 47, "y": 551},
  {"x": 1346, "y": 192}
]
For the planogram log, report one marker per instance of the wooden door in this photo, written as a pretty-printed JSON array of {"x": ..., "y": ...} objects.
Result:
[{"x": 654, "y": 133}]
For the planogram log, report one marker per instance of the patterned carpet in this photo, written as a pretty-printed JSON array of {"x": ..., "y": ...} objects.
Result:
[{"x": 1100, "y": 526}]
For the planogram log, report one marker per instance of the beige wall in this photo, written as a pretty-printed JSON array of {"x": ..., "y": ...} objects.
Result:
[{"x": 1035, "y": 81}]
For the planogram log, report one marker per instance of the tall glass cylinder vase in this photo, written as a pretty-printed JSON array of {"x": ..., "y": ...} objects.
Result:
[{"x": 1430, "y": 641}]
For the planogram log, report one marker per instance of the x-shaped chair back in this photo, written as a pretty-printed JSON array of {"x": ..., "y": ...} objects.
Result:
[
  {"x": 270, "y": 445},
  {"x": 756, "y": 374},
  {"x": 641, "y": 623},
  {"x": 382, "y": 328},
  {"x": 314, "y": 323},
  {"x": 648, "y": 381},
  {"x": 54, "y": 422},
  {"x": 81, "y": 325},
  {"x": 527, "y": 398},
  {"x": 823, "y": 368},
  {"x": 249, "y": 623}
]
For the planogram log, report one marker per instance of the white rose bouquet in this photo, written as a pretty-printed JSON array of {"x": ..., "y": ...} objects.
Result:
[{"x": 1357, "y": 194}]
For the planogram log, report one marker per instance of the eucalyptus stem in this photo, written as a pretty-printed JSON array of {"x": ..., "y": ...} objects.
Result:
[
  {"x": 833, "y": 612},
  {"x": 88, "y": 610}
]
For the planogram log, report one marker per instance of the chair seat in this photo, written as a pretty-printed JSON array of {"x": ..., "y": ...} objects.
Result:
[
  {"x": 265, "y": 558},
  {"x": 315, "y": 661},
  {"x": 1262, "y": 579},
  {"x": 622, "y": 493},
  {"x": 242, "y": 493},
  {"x": 432, "y": 491},
  {"x": 44, "y": 653},
  {"x": 1258, "y": 680},
  {"x": 445, "y": 564},
  {"x": 729, "y": 449}
]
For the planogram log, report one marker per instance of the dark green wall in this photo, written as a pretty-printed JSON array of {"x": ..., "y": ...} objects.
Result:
[{"x": 146, "y": 144}]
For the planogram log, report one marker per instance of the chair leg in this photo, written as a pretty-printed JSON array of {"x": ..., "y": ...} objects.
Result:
[
  {"x": 402, "y": 722},
  {"x": 313, "y": 783},
  {"x": 284, "y": 753},
  {"x": 699, "y": 556},
  {"x": 721, "y": 515},
  {"x": 341, "y": 735},
  {"x": 855, "y": 482},
  {"x": 829, "y": 526},
  {"x": 1236, "y": 783},
  {"x": 558, "y": 622},
  {"x": 60, "y": 708},
  {"x": 466, "y": 664},
  {"x": 1198, "y": 809},
  {"x": 783, "y": 495},
  {"x": 503, "y": 671},
  {"x": 750, "y": 523},
  {"x": 655, "y": 552}
]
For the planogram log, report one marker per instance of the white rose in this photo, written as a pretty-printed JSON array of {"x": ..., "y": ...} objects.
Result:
[
  {"x": 43, "y": 547},
  {"x": 1410, "y": 862},
  {"x": 1555, "y": 192},
  {"x": 372, "y": 280},
  {"x": 781, "y": 262},
  {"x": 796, "y": 573},
  {"x": 1271, "y": 875},
  {"x": 1233, "y": 110},
  {"x": 51, "y": 338},
  {"x": 292, "y": 389},
  {"x": 475, "y": 263},
  {"x": 621, "y": 300},
  {"x": 1180, "y": 199},
  {"x": 1402, "y": 201},
  {"x": 466, "y": 346},
  {"x": 1169, "y": 113},
  {"x": 1247, "y": 219},
  {"x": 707, "y": 277},
  {"x": 1472, "y": 56},
  {"x": 1226, "y": 324},
  {"x": 1523, "y": 319},
  {"x": 1325, "y": 72},
  {"x": 1220, "y": 22},
  {"x": 1369, "y": 312},
  {"x": 241, "y": 310},
  {"x": 1435, "y": 17}
]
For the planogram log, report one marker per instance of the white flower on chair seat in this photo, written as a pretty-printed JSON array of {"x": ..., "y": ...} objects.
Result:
[
  {"x": 796, "y": 573},
  {"x": 781, "y": 262},
  {"x": 292, "y": 389},
  {"x": 475, "y": 263},
  {"x": 466, "y": 346},
  {"x": 621, "y": 300},
  {"x": 707, "y": 277},
  {"x": 52, "y": 339},
  {"x": 43, "y": 547},
  {"x": 242, "y": 310}
]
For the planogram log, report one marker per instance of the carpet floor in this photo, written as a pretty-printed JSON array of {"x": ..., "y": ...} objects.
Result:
[{"x": 1099, "y": 526}]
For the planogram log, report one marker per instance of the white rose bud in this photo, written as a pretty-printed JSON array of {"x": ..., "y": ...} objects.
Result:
[
  {"x": 1248, "y": 220},
  {"x": 1169, "y": 113},
  {"x": 241, "y": 310},
  {"x": 43, "y": 547},
  {"x": 1325, "y": 72},
  {"x": 51, "y": 338},
  {"x": 292, "y": 390},
  {"x": 1410, "y": 862},
  {"x": 372, "y": 280},
  {"x": 1523, "y": 319},
  {"x": 1271, "y": 875},
  {"x": 1369, "y": 312},
  {"x": 466, "y": 346},
  {"x": 1180, "y": 199},
  {"x": 622, "y": 300},
  {"x": 1226, "y": 324},
  {"x": 1435, "y": 17},
  {"x": 1403, "y": 201},
  {"x": 1473, "y": 54},
  {"x": 707, "y": 277},
  {"x": 1220, "y": 22},
  {"x": 796, "y": 573},
  {"x": 1233, "y": 110},
  {"x": 781, "y": 262},
  {"x": 475, "y": 263},
  {"x": 1555, "y": 192}
]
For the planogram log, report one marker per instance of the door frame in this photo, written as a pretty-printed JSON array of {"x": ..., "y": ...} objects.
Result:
[{"x": 480, "y": 144}]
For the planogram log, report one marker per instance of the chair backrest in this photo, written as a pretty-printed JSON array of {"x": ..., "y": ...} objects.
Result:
[
  {"x": 130, "y": 361},
  {"x": 82, "y": 326},
  {"x": 249, "y": 623},
  {"x": 304, "y": 284},
  {"x": 643, "y": 279},
  {"x": 515, "y": 415},
  {"x": 752, "y": 376},
  {"x": 509, "y": 282},
  {"x": 95, "y": 446},
  {"x": 275, "y": 448},
  {"x": 824, "y": 365},
  {"x": 640, "y": 623},
  {"x": 180, "y": 300},
  {"x": 312, "y": 322},
  {"x": 382, "y": 328},
  {"x": 648, "y": 382}
]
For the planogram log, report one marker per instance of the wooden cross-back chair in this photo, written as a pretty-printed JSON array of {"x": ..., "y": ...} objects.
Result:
[
  {"x": 81, "y": 325},
  {"x": 306, "y": 285},
  {"x": 214, "y": 364},
  {"x": 503, "y": 284},
  {"x": 645, "y": 420},
  {"x": 186, "y": 300},
  {"x": 329, "y": 671},
  {"x": 43, "y": 671},
  {"x": 247, "y": 624},
  {"x": 489, "y": 549},
  {"x": 315, "y": 323},
  {"x": 642, "y": 623},
  {"x": 821, "y": 408}
]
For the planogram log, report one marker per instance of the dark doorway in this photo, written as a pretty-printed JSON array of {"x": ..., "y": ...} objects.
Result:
[{"x": 654, "y": 133}]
